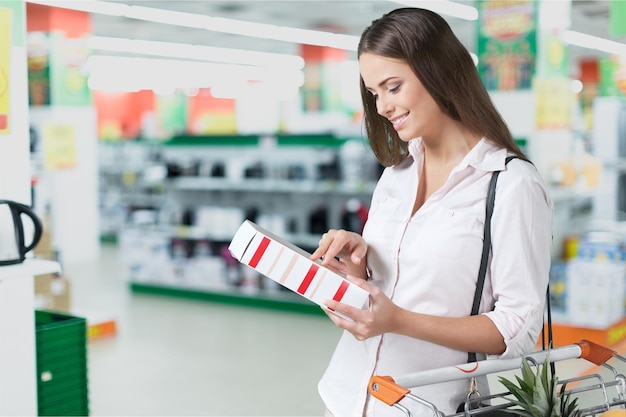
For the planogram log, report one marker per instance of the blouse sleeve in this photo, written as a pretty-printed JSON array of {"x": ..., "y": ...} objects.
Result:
[{"x": 521, "y": 253}]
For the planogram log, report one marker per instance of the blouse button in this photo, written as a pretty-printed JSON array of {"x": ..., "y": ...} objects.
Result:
[{"x": 450, "y": 213}]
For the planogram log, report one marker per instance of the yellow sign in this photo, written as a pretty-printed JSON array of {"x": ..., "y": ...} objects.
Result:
[
  {"x": 554, "y": 98},
  {"x": 5, "y": 54},
  {"x": 59, "y": 145},
  {"x": 507, "y": 20}
]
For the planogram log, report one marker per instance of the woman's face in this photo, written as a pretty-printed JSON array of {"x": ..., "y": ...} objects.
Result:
[{"x": 400, "y": 96}]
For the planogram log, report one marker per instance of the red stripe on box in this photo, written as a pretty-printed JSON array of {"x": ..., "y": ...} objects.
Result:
[
  {"x": 258, "y": 254},
  {"x": 341, "y": 291},
  {"x": 308, "y": 279}
]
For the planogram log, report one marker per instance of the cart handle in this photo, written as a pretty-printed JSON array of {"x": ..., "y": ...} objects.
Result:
[
  {"x": 386, "y": 390},
  {"x": 391, "y": 391},
  {"x": 595, "y": 353}
]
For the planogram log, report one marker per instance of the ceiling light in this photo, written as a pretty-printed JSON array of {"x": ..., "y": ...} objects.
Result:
[
  {"x": 170, "y": 17},
  {"x": 218, "y": 24},
  {"x": 593, "y": 42},
  {"x": 445, "y": 7},
  {"x": 195, "y": 52},
  {"x": 121, "y": 73}
]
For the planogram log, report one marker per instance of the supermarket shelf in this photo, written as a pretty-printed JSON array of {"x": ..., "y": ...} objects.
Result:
[
  {"x": 30, "y": 267},
  {"x": 305, "y": 240},
  {"x": 108, "y": 238},
  {"x": 268, "y": 185},
  {"x": 322, "y": 140},
  {"x": 284, "y": 302}
]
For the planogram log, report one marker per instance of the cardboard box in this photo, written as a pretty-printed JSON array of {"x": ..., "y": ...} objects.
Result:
[
  {"x": 291, "y": 267},
  {"x": 52, "y": 292},
  {"x": 45, "y": 248}
]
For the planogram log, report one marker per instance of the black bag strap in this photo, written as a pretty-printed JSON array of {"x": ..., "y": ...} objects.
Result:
[
  {"x": 482, "y": 270},
  {"x": 491, "y": 199},
  {"x": 480, "y": 283}
]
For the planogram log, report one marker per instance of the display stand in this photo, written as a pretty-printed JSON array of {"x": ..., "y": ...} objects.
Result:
[
  {"x": 18, "y": 385},
  {"x": 564, "y": 334}
]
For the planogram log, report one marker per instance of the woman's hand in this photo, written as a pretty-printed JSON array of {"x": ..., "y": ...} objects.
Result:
[
  {"x": 343, "y": 251},
  {"x": 476, "y": 333},
  {"x": 382, "y": 316}
]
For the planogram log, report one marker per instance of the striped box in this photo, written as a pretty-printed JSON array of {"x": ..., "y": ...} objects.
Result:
[{"x": 291, "y": 267}]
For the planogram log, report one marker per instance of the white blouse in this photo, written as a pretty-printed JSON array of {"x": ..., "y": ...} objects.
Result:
[{"x": 428, "y": 263}]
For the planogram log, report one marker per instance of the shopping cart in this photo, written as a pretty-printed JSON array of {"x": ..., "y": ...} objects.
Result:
[{"x": 600, "y": 393}]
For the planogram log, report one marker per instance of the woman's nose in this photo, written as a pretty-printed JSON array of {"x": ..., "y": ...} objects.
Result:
[{"x": 383, "y": 106}]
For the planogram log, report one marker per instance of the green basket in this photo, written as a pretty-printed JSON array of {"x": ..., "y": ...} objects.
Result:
[{"x": 61, "y": 343}]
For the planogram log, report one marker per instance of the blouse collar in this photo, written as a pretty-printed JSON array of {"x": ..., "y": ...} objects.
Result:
[{"x": 485, "y": 156}]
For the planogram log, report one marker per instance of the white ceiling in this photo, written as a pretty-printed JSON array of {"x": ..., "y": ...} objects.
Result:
[{"x": 343, "y": 16}]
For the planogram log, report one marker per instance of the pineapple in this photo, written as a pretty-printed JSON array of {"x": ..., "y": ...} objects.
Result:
[{"x": 536, "y": 394}]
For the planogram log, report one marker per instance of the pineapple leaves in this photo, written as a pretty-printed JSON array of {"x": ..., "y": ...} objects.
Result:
[{"x": 536, "y": 395}]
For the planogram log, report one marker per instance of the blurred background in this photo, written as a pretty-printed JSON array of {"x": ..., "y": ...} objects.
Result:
[{"x": 143, "y": 133}]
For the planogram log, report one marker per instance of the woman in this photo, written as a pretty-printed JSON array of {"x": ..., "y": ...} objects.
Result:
[{"x": 432, "y": 124}]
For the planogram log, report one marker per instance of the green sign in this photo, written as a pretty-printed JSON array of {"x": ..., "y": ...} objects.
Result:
[
  {"x": 617, "y": 16},
  {"x": 172, "y": 114},
  {"x": 612, "y": 77},
  {"x": 38, "y": 69},
  {"x": 507, "y": 43},
  {"x": 18, "y": 20},
  {"x": 68, "y": 76}
]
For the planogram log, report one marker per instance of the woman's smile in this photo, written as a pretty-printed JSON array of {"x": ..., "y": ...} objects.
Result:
[{"x": 398, "y": 122}]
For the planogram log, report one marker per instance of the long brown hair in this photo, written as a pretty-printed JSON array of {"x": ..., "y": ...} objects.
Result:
[{"x": 425, "y": 41}]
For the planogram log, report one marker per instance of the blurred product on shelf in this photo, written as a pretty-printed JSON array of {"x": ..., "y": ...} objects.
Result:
[
  {"x": 160, "y": 257},
  {"x": 354, "y": 215},
  {"x": 589, "y": 289},
  {"x": 580, "y": 169},
  {"x": 173, "y": 230},
  {"x": 284, "y": 176}
]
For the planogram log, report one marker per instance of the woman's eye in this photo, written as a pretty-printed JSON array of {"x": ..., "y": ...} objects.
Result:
[{"x": 394, "y": 89}]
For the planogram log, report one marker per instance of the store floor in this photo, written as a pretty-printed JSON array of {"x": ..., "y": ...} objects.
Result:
[
  {"x": 182, "y": 357},
  {"x": 176, "y": 357}
]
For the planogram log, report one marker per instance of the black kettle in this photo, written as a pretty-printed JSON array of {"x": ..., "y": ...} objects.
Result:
[{"x": 13, "y": 246}]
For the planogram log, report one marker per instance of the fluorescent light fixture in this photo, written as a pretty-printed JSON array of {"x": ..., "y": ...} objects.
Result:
[
  {"x": 195, "y": 52},
  {"x": 168, "y": 17},
  {"x": 444, "y": 7},
  {"x": 121, "y": 73},
  {"x": 259, "y": 92},
  {"x": 218, "y": 24},
  {"x": 593, "y": 42}
]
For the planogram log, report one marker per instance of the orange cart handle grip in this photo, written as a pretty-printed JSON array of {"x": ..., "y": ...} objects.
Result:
[
  {"x": 594, "y": 352},
  {"x": 386, "y": 390}
]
